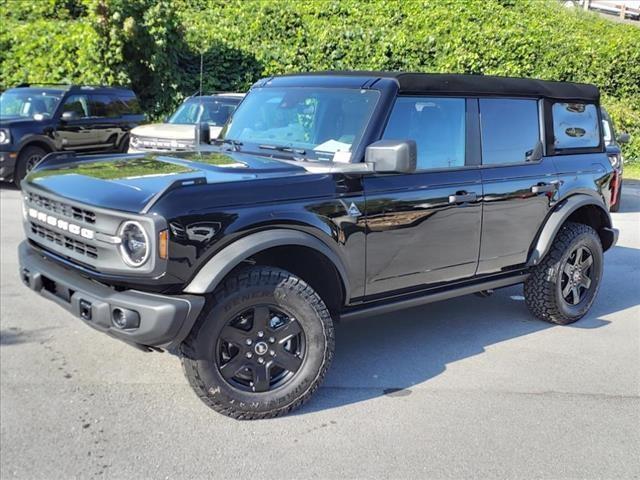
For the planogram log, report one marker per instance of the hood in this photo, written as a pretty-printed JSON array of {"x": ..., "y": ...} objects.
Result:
[
  {"x": 129, "y": 182},
  {"x": 19, "y": 121},
  {"x": 167, "y": 131}
]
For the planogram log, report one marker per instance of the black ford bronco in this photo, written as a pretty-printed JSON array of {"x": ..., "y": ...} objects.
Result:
[
  {"x": 329, "y": 196},
  {"x": 39, "y": 119}
]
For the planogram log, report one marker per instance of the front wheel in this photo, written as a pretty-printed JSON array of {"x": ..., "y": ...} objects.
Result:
[
  {"x": 262, "y": 348},
  {"x": 562, "y": 288},
  {"x": 27, "y": 160}
]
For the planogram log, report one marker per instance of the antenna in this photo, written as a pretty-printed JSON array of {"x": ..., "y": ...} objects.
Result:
[{"x": 200, "y": 107}]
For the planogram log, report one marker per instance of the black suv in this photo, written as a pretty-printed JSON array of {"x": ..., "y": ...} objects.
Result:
[
  {"x": 36, "y": 120},
  {"x": 330, "y": 196}
]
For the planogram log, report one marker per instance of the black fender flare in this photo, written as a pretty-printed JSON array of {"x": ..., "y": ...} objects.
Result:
[
  {"x": 214, "y": 271},
  {"x": 559, "y": 216},
  {"x": 28, "y": 140}
]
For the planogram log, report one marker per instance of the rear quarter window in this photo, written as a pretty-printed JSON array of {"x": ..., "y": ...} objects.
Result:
[
  {"x": 128, "y": 104},
  {"x": 575, "y": 125}
]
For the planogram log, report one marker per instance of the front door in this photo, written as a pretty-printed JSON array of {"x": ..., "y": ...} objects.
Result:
[
  {"x": 76, "y": 132},
  {"x": 424, "y": 228}
]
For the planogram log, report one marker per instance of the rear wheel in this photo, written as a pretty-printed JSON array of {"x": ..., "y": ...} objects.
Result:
[
  {"x": 562, "y": 288},
  {"x": 262, "y": 348},
  {"x": 28, "y": 158}
]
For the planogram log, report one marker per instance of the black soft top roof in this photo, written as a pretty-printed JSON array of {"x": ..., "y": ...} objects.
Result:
[{"x": 485, "y": 85}]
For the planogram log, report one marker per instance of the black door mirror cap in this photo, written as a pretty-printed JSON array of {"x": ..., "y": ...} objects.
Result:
[
  {"x": 624, "y": 138},
  {"x": 392, "y": 156},
  {"x": 68, "y": 116}
]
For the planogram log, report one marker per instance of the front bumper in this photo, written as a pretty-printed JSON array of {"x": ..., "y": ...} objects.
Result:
[
  {"x": 164, "y": 321},
  {"x": 7, "y": 165}
]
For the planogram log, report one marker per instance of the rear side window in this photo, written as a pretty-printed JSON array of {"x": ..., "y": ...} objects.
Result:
[
  {"x": 575, "y": 125},
  {"x": 128, "y": 104},
  {"x": 99, "y": 105},
  {"x": 510, "y": 130},
  {"x": 436, "y": 124}
]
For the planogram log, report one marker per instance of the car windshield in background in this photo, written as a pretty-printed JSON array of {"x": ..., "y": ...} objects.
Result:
[
  {"x": 36, "y": 104},
  {"x": 318, "y": 120},
  {"x": 215, "y": 113}
]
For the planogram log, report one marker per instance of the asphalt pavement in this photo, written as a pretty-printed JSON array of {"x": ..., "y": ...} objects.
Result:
[{"x": 466, "y": 388}]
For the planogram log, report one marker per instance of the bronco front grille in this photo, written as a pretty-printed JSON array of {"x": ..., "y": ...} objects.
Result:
[
  {"x": 64, "y": 241},
  {"x": 62, "y": 208}
]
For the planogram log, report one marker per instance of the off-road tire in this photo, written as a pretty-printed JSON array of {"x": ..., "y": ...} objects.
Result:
[
  {"x": 22, "y": 165},
  {"x": 253, "y": 286},
  {"x": 542, "y": 290}
]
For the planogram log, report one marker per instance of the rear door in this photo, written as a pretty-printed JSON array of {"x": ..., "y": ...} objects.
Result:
[
  {"x": 105, "y": 120},
  {"x": 520, "y": 183},
  {"x": 424, "y": 228}
]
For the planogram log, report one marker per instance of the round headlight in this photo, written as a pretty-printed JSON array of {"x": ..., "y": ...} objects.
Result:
[
  {"x": 4, "y": 138},
  {"x": 134, "y": 245},
  {"x": 134, "y": 141}
]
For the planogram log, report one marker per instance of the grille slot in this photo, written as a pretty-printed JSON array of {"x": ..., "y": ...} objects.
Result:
[
  {"x": 69, "y": 243},
  {"x": 62, "y": 208}
]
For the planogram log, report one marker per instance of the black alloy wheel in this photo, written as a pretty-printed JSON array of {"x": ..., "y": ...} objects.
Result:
[
  {"x": 261, "y": 349},
  {"x": 562, "y": 288}
]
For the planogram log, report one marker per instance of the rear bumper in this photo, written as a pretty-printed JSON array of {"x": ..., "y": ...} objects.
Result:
[{"x": 164, "y": 320}]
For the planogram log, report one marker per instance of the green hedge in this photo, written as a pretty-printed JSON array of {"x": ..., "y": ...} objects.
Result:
[{"x": 155, "y": 45}]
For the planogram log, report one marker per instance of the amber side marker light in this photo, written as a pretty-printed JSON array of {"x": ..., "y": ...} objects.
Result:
[{"x": 163, "y": 244}]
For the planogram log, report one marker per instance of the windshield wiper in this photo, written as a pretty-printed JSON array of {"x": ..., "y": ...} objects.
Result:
[{"x": 281, "y": 148}]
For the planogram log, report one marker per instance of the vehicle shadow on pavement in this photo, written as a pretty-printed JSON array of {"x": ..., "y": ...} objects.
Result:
[{"x": 389, "y": 354}]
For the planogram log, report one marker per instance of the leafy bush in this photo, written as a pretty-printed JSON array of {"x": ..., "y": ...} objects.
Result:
[{"x": 155, "y": 45}]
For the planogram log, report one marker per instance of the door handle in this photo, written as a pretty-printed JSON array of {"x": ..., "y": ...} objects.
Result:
[
  {"x": 544, "y": 188},
  {"x": 462, "y": 197}
]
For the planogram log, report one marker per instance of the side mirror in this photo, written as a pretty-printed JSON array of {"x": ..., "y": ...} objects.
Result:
[
  {"x": 624, "y": 138},
  {"x": 392, "y": 156},
  {"x": 68, "y": 116},
  {"x": 203, "y": 133}
]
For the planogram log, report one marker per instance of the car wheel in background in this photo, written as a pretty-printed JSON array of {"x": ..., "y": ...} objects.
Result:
[{"x": 27, "y": 160}]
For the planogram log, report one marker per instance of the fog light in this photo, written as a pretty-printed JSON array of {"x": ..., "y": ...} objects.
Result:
[{"x": 125, "y": 319}]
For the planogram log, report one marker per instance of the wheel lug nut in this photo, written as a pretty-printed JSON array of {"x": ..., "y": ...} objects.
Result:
[
  {"x": 249, "y": 354},
  {"x": 272, "y": 340},
  {"x": 249, "y": 342},
  {"x": 260, "y": 334},
  {"x": 260, "y": 360},
  {"x": 272, "y": 353}
]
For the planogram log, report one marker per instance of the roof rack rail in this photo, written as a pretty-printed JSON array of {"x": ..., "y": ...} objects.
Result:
[{"x": 69, "y": 85}]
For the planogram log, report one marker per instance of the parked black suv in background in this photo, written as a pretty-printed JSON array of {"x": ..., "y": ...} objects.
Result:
[
  {"x": 331, "y": 196},
  {"x": 39, "y": 119}
]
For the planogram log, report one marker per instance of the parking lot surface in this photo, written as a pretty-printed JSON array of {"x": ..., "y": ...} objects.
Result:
[{"x": 466, "y": 388}]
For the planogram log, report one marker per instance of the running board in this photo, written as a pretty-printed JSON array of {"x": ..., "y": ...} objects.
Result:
[{"x": 414, "y": 301}]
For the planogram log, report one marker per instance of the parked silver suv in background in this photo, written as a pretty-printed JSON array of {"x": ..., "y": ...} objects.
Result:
[{"x": 200, "y": 116}]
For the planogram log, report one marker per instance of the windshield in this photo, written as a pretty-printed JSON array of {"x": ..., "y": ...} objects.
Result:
[
  {"x": 29, "y": 103},
  {"x": 215, "y": 113},
  {"x": 322, "y": 120}
]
